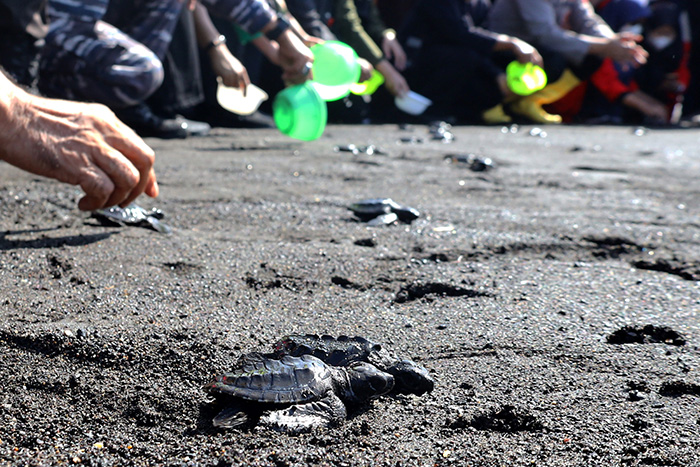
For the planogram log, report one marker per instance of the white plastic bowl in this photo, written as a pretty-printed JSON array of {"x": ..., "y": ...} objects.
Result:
[
  {"x": 412, "y": 103},
  {"x": 233, "y": 100}
]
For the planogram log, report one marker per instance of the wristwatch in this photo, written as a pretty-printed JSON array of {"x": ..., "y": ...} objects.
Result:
[
  {"x": 281, "y": 26},
  {"x": 221, "y": 39}
]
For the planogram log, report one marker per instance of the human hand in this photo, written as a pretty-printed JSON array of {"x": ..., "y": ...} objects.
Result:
[
  {"x": 646, "y": 104},
  {"x": 395, "y": 83},
  {"x": 626, "y": 51},
  {"x": 229, "y": 68},
  {"x": 672, "y": 84},
  {"x": 627, "y": 36},
  {"x": 79, "y": 144},
  {"x": 312, "y": 40},
  {"x": 393, "y": 51},
  {"x": 294, "y": 58},
  {"x": 366, "y": 69},
  {"x": 525, "y": 53}
]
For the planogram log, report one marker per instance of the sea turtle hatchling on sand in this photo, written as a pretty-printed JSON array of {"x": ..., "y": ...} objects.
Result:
[
  {"x": 293, "y": 394},
  {"x": 369, "y": 209},
  {"x": 409, "y": 377}
]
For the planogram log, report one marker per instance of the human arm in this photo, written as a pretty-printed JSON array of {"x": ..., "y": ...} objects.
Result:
[
  {"x": 393, "y": 50},
  {"x": 349, "y": 29},
  {"x": 451, "y": 23},
  {"x": 646, "y": 105},
  {"x": 291, "y": 54},
  {"x": 225, "y": 65},
  {"x": 395, "y": 82},
  {"x": 586, "y": 36},
  {"x": 608, "y": 82},
  {"x": 295, "y": 25},
  {"x": 538, "y": 25},
  {"x": 281, "y": 46},
  {"x": 523, "y": 51},
  {"x": 372, "y": 22},
  {"x": 75, "y": 143},
  {"x": 305, "y": 12},
  {"x": 623, "y": 49}
]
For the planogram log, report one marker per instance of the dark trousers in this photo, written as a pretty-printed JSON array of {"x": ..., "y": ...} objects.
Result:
[
  {"x": 691, "y": 105},
  {"x": 22, "y": 30},
  {"x": 19, "y": 57},
  {"x": 460, "y": 81},
  {"x": 182, "y": 79}
]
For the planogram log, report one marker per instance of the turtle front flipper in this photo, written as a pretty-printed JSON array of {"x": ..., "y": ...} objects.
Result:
[
  {"x": 325, "y": 412},
  {"x": 410, "y": 378}
]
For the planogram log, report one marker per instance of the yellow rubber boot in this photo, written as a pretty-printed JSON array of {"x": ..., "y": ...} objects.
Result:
[
  {"x": 495, "y": 115},
  {"x": 531, "y": 106}
]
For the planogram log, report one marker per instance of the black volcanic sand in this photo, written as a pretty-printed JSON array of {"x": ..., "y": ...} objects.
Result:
[{"x": 554, "y": 299}]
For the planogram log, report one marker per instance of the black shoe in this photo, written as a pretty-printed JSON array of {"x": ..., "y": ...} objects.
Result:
[
  {"x": 217, "y": 116},
  {"x": 691, "y": 121},
  {"x": 193, "y": 127},
  {"x": 144, "y": 122}
]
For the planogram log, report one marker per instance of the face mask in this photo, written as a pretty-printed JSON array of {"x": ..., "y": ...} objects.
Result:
[
  {"x": 632, "y": 28},
  {"x": 660, "y": 42}
]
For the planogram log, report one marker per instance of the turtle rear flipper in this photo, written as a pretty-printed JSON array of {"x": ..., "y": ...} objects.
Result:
[
  {"x": 233, "y": 416},
  {"x": 325, "y": 412}
]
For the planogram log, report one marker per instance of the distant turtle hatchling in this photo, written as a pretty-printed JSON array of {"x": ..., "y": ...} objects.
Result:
[
  {"x": 409, "y": 377},
  {"x": 387, "y": 209},
  {"x": 293, "y": 394}
]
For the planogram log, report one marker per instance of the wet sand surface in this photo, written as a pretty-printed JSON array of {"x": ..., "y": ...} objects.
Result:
[{"x": 554, "y": 299}]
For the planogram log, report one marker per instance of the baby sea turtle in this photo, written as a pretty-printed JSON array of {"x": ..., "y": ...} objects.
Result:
[
  {"x": 409, "y": 377},
  {"x": 369, "y": 209},
  {"x": 294, "y": 393},
  {"x": 133, "y": 214},
  {"x": 472, "y": 161}
]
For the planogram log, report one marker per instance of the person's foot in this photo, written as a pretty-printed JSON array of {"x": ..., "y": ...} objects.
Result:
[
  {"x": 690, "y": 121},
  {"x": 533, "y": 111},
  {"x": 193, "y": 127},
  {"x": 217, "y": 116},
  {"x": 495, "y": 115}
]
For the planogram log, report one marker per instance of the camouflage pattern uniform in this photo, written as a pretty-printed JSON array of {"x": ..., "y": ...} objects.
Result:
[
  {"x": 86, "y": 58},
  {"x": 249, "y": 15},
  {"x": 110, "y": 52}
]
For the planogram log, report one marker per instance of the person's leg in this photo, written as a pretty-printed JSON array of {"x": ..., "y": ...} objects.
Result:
[
  {"x": 460, "y": 82},
  {"x": 182, "y": 83},
  {"x": 94, "y": 61},
  {"x": 150, "y": 22},
  {"x": 22, "y": 30},
  {"x": 19, "y": 57}
]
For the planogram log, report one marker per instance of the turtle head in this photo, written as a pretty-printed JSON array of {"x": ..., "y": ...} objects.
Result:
[
  {"x": 411, "y": 378},
  {"x": 367, "y": 382}
]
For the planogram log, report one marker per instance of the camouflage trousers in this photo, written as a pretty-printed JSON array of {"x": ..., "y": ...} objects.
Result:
[{"x": 92, "y": 60}]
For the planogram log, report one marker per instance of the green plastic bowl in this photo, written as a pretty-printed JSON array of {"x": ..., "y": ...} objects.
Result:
[
  {"x": 299, "y": 112},
  {"x": 369, "y": 86},
  {"x": 525, "y": 78},
  {"x": 335, "y": 69}
]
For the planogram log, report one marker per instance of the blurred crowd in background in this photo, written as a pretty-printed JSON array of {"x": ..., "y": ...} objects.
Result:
[{"x": 156, "y": 63}]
